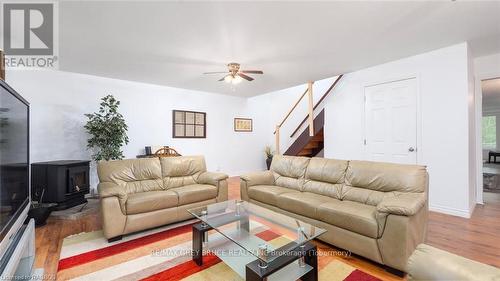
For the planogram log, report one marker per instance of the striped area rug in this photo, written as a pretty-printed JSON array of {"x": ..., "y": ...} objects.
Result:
[{"x": 164, "y": 254}]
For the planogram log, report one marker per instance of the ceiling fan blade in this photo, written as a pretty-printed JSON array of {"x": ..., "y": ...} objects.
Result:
[
  {"x": 215, "y": 72},
  {"x": 252, "y": 71},
  {"x": 222, "y": 79},
  {"x": 246, "y": 77}
]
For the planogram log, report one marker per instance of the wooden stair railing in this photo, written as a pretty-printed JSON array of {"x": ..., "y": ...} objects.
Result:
[
  {"x": 309, "y": 92},
  {"x": 318, "y": 103}
]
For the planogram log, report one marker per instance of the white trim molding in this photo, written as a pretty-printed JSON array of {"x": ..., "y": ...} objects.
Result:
[{"x": 451, "y": 211}]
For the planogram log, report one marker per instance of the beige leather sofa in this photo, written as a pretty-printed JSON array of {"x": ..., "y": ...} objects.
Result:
[
  {"x": 376, "y": 210},
  {"x": 428, "y": 264},
  {"x": 138, "y": 194}
]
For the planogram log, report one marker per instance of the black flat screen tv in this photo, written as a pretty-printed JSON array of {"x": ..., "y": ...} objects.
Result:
[{"x": 14, "y": 157}]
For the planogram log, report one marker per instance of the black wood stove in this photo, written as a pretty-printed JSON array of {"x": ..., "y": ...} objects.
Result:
[{"x": 64, "y": 182}]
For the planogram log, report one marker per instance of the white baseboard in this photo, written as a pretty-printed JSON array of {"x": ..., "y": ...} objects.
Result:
[{"x": 450, "y": 211}]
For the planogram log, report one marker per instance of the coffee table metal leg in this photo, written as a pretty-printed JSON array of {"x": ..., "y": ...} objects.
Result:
[
  {"x": 197, "y": 244},
  {"x": 253, "y": 276},
  {"x": 311, "y": 258},
  {"x": 255, "y": 272},
  {"x": 245, "y": 224}
]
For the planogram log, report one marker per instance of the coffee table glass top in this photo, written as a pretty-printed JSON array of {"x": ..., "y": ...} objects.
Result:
[{"x": 261, "y": 232}]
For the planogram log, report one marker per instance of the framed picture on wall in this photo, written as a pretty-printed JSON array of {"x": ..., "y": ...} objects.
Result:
[
  {"x": 243, "y": 125},
  {"x": 189, "y": 124}
]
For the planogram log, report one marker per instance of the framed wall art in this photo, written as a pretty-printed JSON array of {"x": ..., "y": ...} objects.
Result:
[
  {"x": 189, "y": 124},
  {"x": 243, "y": 125}
]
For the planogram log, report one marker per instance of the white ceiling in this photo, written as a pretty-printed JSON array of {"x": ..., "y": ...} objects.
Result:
[
  {"x": 491, "y": 95},
  {"x": 173, "y": 43}
]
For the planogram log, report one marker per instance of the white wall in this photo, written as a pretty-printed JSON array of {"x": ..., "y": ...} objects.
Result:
[
  {"x": 443, "y": 143},
  {"x": 59, "y": 100}
]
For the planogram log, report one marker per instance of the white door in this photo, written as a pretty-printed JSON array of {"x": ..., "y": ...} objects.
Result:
[{"x": 391, "y": 122}]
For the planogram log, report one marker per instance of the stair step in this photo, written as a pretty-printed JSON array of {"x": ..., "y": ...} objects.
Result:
[
  {"x": 305, "y": 152},
  {"x": 312, "y": 145},
  {"x": 318, "y": 137},
  {"x": 306, "y": 145}
]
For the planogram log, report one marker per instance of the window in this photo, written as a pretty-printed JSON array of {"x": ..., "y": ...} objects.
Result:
[
  {"x": 489, "y": 131},
  {"x": 189, "y": 124}
]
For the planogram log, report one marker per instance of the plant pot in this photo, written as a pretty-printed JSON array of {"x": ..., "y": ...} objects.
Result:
[
  {"x": 268, "y": 162},
  {"x": 40, "y": 213}
]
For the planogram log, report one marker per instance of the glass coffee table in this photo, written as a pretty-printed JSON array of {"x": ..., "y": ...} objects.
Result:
[{"x": 257, "y": 243}]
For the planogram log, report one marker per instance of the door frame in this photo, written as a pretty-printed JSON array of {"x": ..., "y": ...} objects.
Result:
[
  {"x": 416, "y": 76},
  {"x": 478, "y": 109}
]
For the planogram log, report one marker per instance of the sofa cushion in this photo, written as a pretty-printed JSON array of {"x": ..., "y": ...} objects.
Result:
[
  {"x": 195, "y": 193},
  {"x": 143, "y": 202},
  {"x": 326, "y": 170},
  {"x": 289, "y": 171},
  {"x": 386, "y": 177},
  {"x": 268, "y": 193},
  {"x": 134, "y": 175},
  {"x": 302, "y": 203},
  {"x": 353, "y": 216},
  {"x": 364, "y": 195},
  {"x": 324, "y": 188},
  {"x": 325, "y": 177},
  {"x": 182, "y": 170}
]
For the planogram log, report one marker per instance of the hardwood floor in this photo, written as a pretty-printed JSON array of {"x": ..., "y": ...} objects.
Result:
[{"x": 476, "y": 238}]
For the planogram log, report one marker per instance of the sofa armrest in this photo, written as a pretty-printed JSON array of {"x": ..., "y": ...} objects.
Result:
[
  {"x": 113, "y": 217},
  {"x": 217, "y": 179},
  {"x": 255, "y": 178},
  {"x": 403, "y": 204},
  {"x": 258, "y": 178},
  {"x": 211, "y": 178},
  {"x": 429, "y": 263},
  {"x": 109, "y": 189}
]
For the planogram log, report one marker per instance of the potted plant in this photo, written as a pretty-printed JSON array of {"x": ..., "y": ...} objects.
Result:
[
  {"x": 269, "y": 156},
  {"x": 40, "y": 211},
  {"x": 107, "y": 130}
]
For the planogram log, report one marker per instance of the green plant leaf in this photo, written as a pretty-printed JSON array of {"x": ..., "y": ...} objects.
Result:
[{"x": 107, "y": 130}]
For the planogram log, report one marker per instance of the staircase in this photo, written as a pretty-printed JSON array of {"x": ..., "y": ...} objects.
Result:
[
  {"x": 310, "y": 142},
  {"x": 306, "y": 145},
  {"x": 314, "y": 147}
]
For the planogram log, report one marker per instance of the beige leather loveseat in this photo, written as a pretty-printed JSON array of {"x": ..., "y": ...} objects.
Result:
[
  {"x": 376, "y": 210},
  {"x": 138, "y": 194}
]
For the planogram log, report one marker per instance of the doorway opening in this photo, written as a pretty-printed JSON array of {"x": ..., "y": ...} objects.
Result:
[{"x": 490, "y": 135}]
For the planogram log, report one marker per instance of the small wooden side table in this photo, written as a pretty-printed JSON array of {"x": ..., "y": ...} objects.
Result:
[{"x": 162, "y": 152}]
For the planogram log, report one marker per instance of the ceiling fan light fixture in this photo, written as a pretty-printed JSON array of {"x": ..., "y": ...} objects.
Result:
[
  {"x": 235, "y": 75},
  {"x": 236, "y": 80}
]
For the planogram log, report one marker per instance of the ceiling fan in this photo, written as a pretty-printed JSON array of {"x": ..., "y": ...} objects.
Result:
[{"x": 234, "y": 75}]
